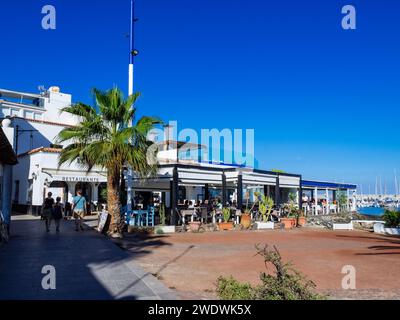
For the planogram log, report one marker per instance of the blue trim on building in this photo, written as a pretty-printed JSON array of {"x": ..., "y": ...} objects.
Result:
[{"x": 321, "y": 184}]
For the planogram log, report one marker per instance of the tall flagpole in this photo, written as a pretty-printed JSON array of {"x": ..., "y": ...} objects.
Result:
[{"x": 130, "y": 92}]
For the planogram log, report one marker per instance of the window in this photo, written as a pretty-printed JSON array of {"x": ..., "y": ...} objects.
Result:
[
  {"x": 16, "y": 191},
  {"x": 5, "y": 112},
  {"x": 29, "y": 115}
]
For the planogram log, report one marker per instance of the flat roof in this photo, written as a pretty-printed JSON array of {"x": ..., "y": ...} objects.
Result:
[
  {"x": 180, "y": 144},
  {"x": 18, "y": 94},
  {"x": 325, "y": 184}
]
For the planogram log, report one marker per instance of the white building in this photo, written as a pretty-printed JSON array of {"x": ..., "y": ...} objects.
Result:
[{"x": 36, "y": 120}]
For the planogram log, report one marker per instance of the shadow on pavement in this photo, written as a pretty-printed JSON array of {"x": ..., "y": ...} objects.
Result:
[{"x": 88, "y": 266}]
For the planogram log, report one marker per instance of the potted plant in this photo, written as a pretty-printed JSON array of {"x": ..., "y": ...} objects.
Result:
[
  {"x": 245, "y": 218},
  {"x": 300, "y": 218},
  {"x": 392, "y": 223},
  {"x": 290, "y": 220},
  {"x": 265, "y": 207},
  {"x": 162, "y": 228},
  {"x": 226, "y": 225}
]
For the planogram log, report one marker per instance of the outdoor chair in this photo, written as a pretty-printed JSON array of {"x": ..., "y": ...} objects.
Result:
[
  {"x": 188, "y": 214},
  {"x": 149, "y": 219},
  {"x": 204, "y": 216},
  {"x": 181, "y": 220}
]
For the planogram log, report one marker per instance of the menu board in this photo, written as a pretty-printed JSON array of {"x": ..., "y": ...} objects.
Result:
[{"x": 102, "y": 221}]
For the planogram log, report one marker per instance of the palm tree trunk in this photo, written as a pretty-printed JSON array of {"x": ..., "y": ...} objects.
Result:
[{"x": 114, "y": 206}]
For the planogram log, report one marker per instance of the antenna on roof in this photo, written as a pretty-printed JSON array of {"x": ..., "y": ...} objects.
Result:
[{"x": 42, "y": 89}]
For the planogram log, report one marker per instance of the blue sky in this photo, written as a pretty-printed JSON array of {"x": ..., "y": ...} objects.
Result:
[{"x": 323, "y": 101}]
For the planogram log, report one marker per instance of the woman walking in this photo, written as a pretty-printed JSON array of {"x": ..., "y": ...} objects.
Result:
[
  {"x": 47, "y": 210},
  {"x": 79, "y": 209}
]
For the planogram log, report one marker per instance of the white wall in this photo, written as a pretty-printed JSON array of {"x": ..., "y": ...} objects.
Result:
[
  {"x": 53, "y": 104},
  {"x": 44, "y": 136}
]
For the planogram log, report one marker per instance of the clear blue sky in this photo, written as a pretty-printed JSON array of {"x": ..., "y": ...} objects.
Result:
[{"x": 324, "y": 102}]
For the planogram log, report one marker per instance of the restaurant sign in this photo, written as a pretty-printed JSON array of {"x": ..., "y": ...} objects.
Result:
[{"x": 78, "y": 179}]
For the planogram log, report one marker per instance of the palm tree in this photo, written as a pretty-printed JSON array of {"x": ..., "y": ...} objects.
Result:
[{"x": 108, "y": 137}]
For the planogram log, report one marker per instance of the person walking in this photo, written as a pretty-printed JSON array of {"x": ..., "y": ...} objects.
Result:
[
  {"x": 79, "y": 209},
  {"x": 47, "y": 210},
  {"x": 67, "y": 211},
  {"x": 57, "y": 213}
]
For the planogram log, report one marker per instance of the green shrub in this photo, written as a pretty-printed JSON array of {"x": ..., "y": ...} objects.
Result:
[
  {"x": 285, "y": 283},
  {"x": 231, "y": 289},
  {"x": 391, "y": 218},
  {"x": 162, "y": 215}
]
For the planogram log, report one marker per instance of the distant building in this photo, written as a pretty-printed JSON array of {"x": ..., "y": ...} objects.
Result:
[{"x": 35, "y": 120}]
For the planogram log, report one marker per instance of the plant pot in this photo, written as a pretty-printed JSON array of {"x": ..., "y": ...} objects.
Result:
[
  {"x": 164, "y": 229},
  {"x": 194, "y": 226},
  {"x": 245, "y": 220},
  {"x": 343, "y": 226},
  {"x": 264, "y": 225},
  {"x": 225, "y": 226},
  {"x": 289, "y": 223},
  {"x": 301, "y": 221}
]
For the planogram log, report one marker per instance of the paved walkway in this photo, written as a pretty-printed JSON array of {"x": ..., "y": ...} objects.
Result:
[{"x": 88, "y": 266}]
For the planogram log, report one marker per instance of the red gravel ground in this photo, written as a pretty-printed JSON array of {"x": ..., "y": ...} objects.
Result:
[{"x": 190, "y": 263}]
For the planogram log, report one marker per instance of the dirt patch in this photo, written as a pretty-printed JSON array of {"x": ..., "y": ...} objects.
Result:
[{"x": 191, "y": 263}]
